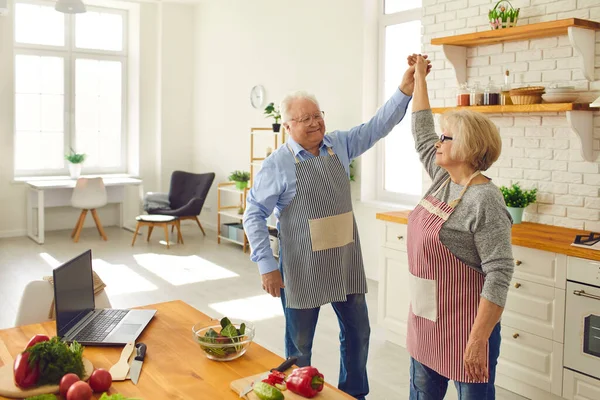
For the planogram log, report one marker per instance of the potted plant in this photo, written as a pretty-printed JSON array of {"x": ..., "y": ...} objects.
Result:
[
  {"x": 503, "y": 17},
  {"x": 517, "y": 199},
  {"x": 271, "y": 111},
  {"x": 240, "y": 178},
  {"x": 75, "y": 160}
]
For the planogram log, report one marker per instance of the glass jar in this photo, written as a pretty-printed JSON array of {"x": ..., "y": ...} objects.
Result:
[
  {"x": 463, "y": 96},
  {"x": 491, "y": 95},
  {"x": 476, "y": 95}
]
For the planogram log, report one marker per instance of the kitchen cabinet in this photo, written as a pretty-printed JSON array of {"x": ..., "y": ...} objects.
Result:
[
  {"x": 393, "y": 298},
  {"x": 580, "y": 387},
  {"x": 531, "y": 361}
]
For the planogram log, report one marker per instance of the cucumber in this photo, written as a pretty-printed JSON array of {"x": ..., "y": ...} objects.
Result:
[{"x": 264, "y": 391}]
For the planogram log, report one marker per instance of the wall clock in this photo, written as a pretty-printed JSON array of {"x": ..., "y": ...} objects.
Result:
[{"x": 257, "y": 96}]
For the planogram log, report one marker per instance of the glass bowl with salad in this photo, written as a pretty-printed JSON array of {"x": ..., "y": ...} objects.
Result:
[{"x": 224, "y": 342}]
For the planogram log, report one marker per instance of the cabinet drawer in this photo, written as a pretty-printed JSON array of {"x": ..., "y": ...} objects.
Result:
[
  {"x": 540, "y": 266},
  {"x": 394, "y": 236},
  {"x": 536, "y": 309},
  {"x": 580, "y": 387},
  {"x": 393, "y": 301},
  {"x": 531, "y": 359}
]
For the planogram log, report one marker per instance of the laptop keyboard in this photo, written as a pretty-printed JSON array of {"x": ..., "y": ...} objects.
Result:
[{"x": 99, "y": 328}]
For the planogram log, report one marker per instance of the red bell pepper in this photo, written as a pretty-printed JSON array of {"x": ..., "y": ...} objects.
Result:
[
  {"x": 305, "y": 381},
  {"x": 37, "y": 339},
  {"x": 274, "y": 378},
  {"x": 25, "y": 375}
]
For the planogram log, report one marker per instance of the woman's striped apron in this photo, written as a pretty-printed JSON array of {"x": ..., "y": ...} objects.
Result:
[
  {"x": 444, "y": 291},
  {"x": 320, "y": 247}
]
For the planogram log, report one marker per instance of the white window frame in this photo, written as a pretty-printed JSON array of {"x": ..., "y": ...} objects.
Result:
[
  {"x": 69, "y": 53},
  {"x": 386, "y": 20}
]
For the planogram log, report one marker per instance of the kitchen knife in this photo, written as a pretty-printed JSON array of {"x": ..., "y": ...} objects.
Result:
[
  {"x": 120, "y": 369},
  {"x": 282, "y": 368},
  {"x": 136, "y": 365}
]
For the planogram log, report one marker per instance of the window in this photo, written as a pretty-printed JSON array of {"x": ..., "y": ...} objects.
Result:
[
  {"x": 400, "y": 35},
  {"x": 70, "y": 89}
]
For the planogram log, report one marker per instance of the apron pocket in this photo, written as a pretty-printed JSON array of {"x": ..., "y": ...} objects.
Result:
[
  {"x": 423, "y": 297},
  {"x": 331, "y": 232}
]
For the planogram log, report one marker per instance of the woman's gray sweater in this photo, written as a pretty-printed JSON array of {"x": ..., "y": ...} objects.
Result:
[{"x": 478, "y": 232}]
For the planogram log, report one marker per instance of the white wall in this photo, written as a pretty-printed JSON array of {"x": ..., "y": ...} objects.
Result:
[
  {"x": 538, "y": 149},
  {"x": 165, "y": 85},
  {"x": 311, "y": 45}
]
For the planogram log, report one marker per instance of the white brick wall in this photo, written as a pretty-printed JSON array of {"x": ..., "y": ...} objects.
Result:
[{"x": 539, "y": 150}]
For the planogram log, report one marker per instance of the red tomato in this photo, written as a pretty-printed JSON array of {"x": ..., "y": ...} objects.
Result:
[
  {"x": 100, "y": 380},
  {"x": 79, "y": 391},
  {"x": 66, "y": 382}
]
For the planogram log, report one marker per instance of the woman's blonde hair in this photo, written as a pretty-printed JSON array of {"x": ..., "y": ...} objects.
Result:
[{"x": 475, "y": 138}]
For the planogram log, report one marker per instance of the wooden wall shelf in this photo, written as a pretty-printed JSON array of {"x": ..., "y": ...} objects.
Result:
[
  {"x": 524, "y": 32},
  {"x": 580, "y": 118},
  {"x": 581, "y": 35},
  {"x": 530, "y": 108}
]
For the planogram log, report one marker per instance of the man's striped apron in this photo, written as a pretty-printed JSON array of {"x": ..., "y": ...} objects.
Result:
[{"x": 320, "y": 247}]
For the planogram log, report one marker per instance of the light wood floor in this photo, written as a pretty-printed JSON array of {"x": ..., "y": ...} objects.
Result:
[{"x": 216, "y": 279}]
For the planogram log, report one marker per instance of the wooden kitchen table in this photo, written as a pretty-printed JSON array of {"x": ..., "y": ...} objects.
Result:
[{"x": 175, "y": 367}]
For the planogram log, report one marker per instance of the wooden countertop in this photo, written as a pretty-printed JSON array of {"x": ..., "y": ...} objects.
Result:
[
  {"x": 175, "y": 367},
  {"x": 551, "y": 238}
]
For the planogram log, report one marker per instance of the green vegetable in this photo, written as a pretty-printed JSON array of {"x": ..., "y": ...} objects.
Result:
[
  {"x": 115, "y": 396},
  {"x": 43, "y": 397},
  {"x": 56, "y": 359},
  {"x": 229, "y": 335},
  {"x": 264, "y": 391}
]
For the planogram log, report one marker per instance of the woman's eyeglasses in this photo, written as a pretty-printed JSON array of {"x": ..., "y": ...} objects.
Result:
[{"x": 444, "y": 138}]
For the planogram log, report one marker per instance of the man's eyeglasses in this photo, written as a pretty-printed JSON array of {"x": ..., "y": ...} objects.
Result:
[
  {"x": 588, "y": 240},
  {"x": 444, "y": 137},
  {"x": 307, "y": 119}
]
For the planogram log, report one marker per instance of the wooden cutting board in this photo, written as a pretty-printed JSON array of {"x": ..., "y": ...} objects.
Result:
[
  {"x": 12, "y": 391},
  {"x": 327, "y": 393}
]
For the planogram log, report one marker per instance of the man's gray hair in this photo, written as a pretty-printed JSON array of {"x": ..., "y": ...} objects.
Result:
[{"x": 287, "y": 101}]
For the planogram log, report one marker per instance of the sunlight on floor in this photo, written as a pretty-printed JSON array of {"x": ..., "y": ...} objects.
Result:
[
  {"x": 53, "y": 262},
  {"x": 182, "y": 270},
  {"x": 120, "y": 279},
  {"x": 254, "y": 308}
]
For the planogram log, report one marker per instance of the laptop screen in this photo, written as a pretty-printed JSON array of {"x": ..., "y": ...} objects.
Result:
[{"x": 73, "y": 292}]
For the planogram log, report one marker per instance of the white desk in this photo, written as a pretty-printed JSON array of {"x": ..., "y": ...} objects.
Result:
[{"x": 57, "y": 193}]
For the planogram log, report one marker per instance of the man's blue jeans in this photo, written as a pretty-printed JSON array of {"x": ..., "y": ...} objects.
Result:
[
  {"x": 426, "y": 384},
  {"x": 353, "y": 318}
]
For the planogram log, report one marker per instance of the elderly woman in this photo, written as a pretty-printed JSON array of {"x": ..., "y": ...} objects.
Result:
[{"x": 459, "y": 252}]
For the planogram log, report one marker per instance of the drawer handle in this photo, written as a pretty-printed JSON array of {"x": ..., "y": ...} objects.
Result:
[
  {"x": 584, "y": 294},
  {"x": 400, "y": 237},
  {"x": 516, "y": 335},
  {"x": 518, "y": 262},
  {"x": 517, "y": 285}
]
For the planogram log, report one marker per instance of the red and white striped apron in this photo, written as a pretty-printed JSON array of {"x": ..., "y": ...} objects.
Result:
[{"x": 444, "y": 291}]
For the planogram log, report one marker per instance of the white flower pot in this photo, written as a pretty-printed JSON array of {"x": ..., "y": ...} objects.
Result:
[{"x": 74, "y": 170}]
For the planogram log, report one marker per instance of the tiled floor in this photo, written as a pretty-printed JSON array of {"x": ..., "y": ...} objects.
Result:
[{"x": 216, "y": 279}]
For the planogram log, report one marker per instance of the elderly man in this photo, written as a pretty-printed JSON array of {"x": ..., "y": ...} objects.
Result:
[{"x": 306, "y": 182}]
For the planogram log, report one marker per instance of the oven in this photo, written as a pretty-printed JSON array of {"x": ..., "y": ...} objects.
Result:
[{"x": 582, "y": 318}]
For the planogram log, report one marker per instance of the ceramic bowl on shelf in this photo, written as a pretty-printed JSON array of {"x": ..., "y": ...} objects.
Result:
[{"x": 568, "y": 97}]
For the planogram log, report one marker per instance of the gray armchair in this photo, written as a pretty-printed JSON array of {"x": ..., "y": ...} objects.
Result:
[{"x": 187, "y": 194}]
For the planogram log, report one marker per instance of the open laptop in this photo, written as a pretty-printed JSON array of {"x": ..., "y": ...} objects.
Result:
[{"x": 76, "y": 316}]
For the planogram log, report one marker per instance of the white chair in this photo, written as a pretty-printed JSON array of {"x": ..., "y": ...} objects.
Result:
[
  {"x": 36, "y": 301},
  {"x": 89, "y": 194}
]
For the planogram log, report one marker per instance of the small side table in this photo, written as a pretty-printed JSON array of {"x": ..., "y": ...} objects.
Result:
[{"x": 157, "y": 220}]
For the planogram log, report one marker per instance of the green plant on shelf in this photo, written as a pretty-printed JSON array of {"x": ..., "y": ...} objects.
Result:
[
  {"x": 516, "y": 197},
  {"x": 272, "y": 112},
  {"x": 240, "y": 178}
]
